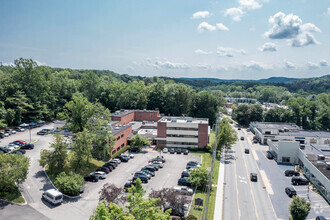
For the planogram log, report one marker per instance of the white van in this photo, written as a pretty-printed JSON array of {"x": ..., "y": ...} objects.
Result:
[{"x": 53, "y": 196}]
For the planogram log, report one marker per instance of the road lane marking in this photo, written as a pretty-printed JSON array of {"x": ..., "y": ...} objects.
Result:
[
  {"x": 243, "y": 181},
  {"x": 255, "y": 156},
  {"x": 239, "y": 211},
  {"x": 265, "y": 180},
  {"x": 253, "y": 199},
  {"x": 242, "y": 177}
]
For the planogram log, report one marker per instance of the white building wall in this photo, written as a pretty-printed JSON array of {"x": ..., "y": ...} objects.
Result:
[
  {"x": 181, "y": 139},
  {"x": 181, "y": 125},
  {"x": 182, "y": 132}
]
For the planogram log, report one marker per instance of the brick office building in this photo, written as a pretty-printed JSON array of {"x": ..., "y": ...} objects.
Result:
[
  {"x": 182, "y": 132},
  {"x": 124, "y": 116},
  {"x": 120, "y": 133}
]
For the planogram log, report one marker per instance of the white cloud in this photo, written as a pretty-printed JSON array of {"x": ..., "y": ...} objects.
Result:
[
  {"x": 312, "y": 65},
  {"x": 7, "y": 64},
  {"x": 40, "y": 63},
  {"x": 204, "y": 26},
  {"x": 249, "y": 4},
  {"x": 255, "y": 65},
  {"x": 324, "y": 63},
  {"x": 269, "y": 46},
  {"x": 165, "y": 64},
  {"x": 328, "y": 11},
  {"x": 229, "y": 52},
  {"x": 289, "y": 65},
  {"x": 291, "y": 27},
  {"x": 199, "y": 51},
  {"x": 234, "y": 13},
  {"x": 221, "y": 27},
  {"x": 201, "y": 14}
]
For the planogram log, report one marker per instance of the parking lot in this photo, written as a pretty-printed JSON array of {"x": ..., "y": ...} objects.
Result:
[
  {"x": 82, "y": 208},
  {"x": 278, "y": 181}
]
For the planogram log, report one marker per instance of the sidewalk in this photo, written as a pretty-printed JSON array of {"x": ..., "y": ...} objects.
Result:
[{"x": 219, "y": 197}]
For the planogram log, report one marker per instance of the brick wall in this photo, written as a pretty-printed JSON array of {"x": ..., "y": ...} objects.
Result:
[
  {"x": 122, "y": 141},
  {"x": 203, "y": 138},
  {"x": 146, "y": 115},
  {"x": 161, "y": 132},
  {"x": 123, "y": 120}
]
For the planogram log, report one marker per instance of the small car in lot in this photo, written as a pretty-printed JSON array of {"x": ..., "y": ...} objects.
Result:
[
  {"x": 21, "y": 150},
  {"x": 151, "y": 173},
  {"x": 192, "y": 164},
  {"x": 19, "y": 129},
  {"x": 242, "y": 138},
  {"x": 184, "y": 182},
  {"x": 143, "y": 178},
  {"x": 239, "y": 128},
  {"x": 254, "y": 177},
  {"x": 2, "y": 135},
  {"x": 269, "y": 155},
  {"x": 185, "y": 151},
  {"x": 184, "y": 190},
  {"x": 4, "y": 149},
  {"x": 102, "y": 175},
  {"x": 10, "y": 131},
  {"x": 6, "y": 134},
  {"x": 123, "y": 158},
  {"x": 104, "y": 169},
  {"x": 255, "y": 141},
  {"x": 178, "y": 151},
  {"x": 53, "y": 196},
  {"x": 172, "y": 151},
  {"x": 143, "y": 173},
  {"x": 185, "y": 173},
  {"x": 20, "y": 141},
  {"x": 162, "y": 159},
  {"x": 129, "y": 185},
  {"x": 151, "y": 168},
  {"x": 290, "y": 191},
  {"x": 165, "y": 150},
  {"x": 299, "y": 181},
  {"x": 16, "y": 152},
  {"x": 160, "y": 164},
  {"x": 246, "y": 150},
  {"x": 91, "y": 177},
  {"x": 110, "y": 166},
  {"x": 117, "y": 160},
  {"x": 15, "y": 146},
  {"x": 291, "y": 173},
  {"x": 155, "y": 165},
  {"x": 41, "y": 132},
  {"x": 320, "y": 217},
  {"x": 28, "y": 146}
]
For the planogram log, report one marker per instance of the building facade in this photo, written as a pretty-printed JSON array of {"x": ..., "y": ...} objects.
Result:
[
  {"x": 182, "y": 132},
  {"x": 124, "y": 116},
  {"x": 120, "y": 133}
]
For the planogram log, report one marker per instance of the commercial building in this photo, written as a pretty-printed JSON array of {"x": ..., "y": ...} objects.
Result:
[
  {"x": 182, "y": 132},
  {"x": 313, "y": 159},
  {"x": 120, "y": 133},
  {"x": 124, "y": 116},
  {"x": 264, "y": 131}
]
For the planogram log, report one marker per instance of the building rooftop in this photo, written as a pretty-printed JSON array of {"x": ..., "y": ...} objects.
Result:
[
  {"x": 116, "y": 129},
  {"x": 303, "y": 133},
  {"x": 276, "y": 125},
  {"x": 169, "y": 119},
  {"x": 123, "y": 112},
  {"x": 149, "y": 132}
]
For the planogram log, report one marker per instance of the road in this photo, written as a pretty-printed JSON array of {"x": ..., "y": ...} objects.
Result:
[{"x": 244, "y": 199}]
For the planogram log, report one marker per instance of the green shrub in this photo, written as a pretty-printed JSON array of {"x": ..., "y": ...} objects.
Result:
[
  {"x": 191, "y": 217},
  {"x": 208, "y": 148},
  {"x": 199, "y": 177},
  {"x": 70, "y": 183}
]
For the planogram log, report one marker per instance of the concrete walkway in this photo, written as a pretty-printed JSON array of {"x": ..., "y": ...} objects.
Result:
[{"x": 219, "y": 196}]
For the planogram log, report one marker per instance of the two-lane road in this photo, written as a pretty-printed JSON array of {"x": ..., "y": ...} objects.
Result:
[{"x": 244, "y": 199}]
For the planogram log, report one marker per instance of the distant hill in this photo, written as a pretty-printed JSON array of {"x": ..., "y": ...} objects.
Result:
[{"x": 268, "y": 80}]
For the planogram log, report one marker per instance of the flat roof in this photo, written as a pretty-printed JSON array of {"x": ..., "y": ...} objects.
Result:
[
  {"x": 303, "y": 133},
  {"x": 276, "y": 125},
  {"x": 116, "y": 129},
  {"x": 317, "y": 149},
  {"x": 148, "y": 132},
  {"x": 123, "y": 112},
  {"x": 169, "y": 119}
]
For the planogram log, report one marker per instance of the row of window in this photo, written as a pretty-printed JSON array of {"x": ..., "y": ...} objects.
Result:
[
  {"x": 121, "y": 136},
  {"x": 182, "y": 136},
  {"x": 116, "y": 150},
  {"x": 181, "y": 143},
  {"x": 182, "y": 129}
]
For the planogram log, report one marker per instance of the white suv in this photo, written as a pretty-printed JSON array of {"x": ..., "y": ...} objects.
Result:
[{"x": 53, "y": 196}]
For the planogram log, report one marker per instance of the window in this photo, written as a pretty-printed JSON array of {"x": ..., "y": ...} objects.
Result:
[
  {"x": 267, "y": 132},
  {"x": 122, "y": 135},
  {"x": 122, "y": 146},
  {"x": 285, "y": 159},
  {"x": 118, "y": 138}
]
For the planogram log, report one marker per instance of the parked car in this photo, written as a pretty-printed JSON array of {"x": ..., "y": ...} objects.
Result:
[
  {"x": 19, "y": 129},
  {"x": 104, "y": 169},
  {"x": 246, "y": 150},
  {"x": 143, "y": 178},
  {"x": 165, "y": 150},
  {"x": 184, "y": 190},
  {"x": 16, "y": 152},
  {"x": 299, "y": 181},
  {"x": 172, "y": 151},
  {"x": 162, "y": 159},
  {"x": 290, "y": 191},
  {"x": 291, "y": 173},
  {"x": 269, "y": 155},
  {"x": 10, "y": 131},
  {"x": 320, "y": 217},
  {"x": 117, "y": 160},
  {"x": 242, "y": 138},
  {"x": 15, "y": 146},
  {"x": 6, "y": 134},
  {"x": 185, "y": 151},
  {"x": 91, "y": 177},
  {"x": 254, "y": 177},
  {"x": 102, "y": 175},
  {"x": 28, "y": 146},
  {"x": 175, "y": 211},
  {"x": 4, "y": 149},
  {"x": 53, "y": 196},
  {"x": 192, "y": 164},
  {"x": 123, "y": 158},
  {"x": 184, "y": 182},
  {"x": 41, "y": 132},
  {"x": 185, "y": 173},
  {"x": 239, "y": 129},
  {"x": 135, "y": 149},
  {"x": 109, "y": 166},
  {"x": 22, "y": 151},
  {"x": 154, "y": 165},
  {"x": 129, "y": 185},
  {"x": 178, "y": 151},
  {"x": 152, "y": 173},
  {"x": 160, "y": 164},
  {"x": 143, "y": 173},
  {"x": 255, "y": 141},
  {"x": 130, "y": 156},
  {"x": 2, "y": 135},
  {"x": 20, "y": 141},
  {"x": 151, "y": 168}
]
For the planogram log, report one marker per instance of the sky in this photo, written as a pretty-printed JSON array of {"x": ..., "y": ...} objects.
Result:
[{"x": 228, "y": 39}]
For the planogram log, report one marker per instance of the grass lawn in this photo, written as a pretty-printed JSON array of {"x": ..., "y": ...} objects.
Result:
[
  {"x": 13, "y": 196},
  {"x": 198, "y": 212}
]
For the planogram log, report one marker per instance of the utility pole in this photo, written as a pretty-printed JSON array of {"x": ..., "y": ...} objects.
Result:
[{"x": 214, "y": 153}]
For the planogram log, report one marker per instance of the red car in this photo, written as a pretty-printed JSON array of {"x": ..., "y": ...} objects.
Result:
[{"x": 20, "y": 141}]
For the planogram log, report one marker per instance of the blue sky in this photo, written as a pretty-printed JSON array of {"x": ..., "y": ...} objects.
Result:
[{"x": 243, "y": 39}]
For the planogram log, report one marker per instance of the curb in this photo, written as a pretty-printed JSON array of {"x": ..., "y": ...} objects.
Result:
[
  {"x": 70, "y": 197},
  {"x": 220, "y": 192}
]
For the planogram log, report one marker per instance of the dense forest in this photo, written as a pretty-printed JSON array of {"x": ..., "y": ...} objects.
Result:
[{"x": 29, "y": 92}]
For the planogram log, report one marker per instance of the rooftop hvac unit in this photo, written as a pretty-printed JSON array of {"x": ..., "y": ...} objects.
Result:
[{"x": 320, "y": 157}]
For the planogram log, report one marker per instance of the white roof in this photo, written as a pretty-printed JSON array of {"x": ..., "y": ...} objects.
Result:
[{"x": 54, "y": 192}]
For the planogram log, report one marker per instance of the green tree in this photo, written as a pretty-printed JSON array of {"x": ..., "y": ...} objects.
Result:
[
  {"x": 56, "y": 159},
  {"x": 299, "y": 208},
  {"x": 82, "y": 149},
  {"x": 70, "y": 183},
  {"x": 138, "y": 207},
  {"x": 227, "y": 136},
  {"x": 205, "y": 105},
  {"x": 199, "y": 177},
  {"x": 14, "y": 169},
  {"x": 138, "y": 141}
]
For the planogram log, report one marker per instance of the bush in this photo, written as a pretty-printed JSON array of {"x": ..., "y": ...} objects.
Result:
[
  {"x": 191, "y": 217},
  {"x": 69, "y": 184},
  {"x": 199, "y": 177},
  {"x": 208, "y": 148}
]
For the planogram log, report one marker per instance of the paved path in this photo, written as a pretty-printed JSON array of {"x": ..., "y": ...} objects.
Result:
[{"x": 219, "y": 196}]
